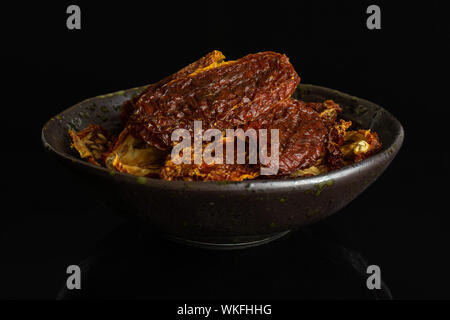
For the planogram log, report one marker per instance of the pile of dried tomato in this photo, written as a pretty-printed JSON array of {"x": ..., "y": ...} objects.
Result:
[{"x": 253, "y": 92}]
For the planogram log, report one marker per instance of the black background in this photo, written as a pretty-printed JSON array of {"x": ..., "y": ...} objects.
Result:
[{"x": 400, "y": 223}]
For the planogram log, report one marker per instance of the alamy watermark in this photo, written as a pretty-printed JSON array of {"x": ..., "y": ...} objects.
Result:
[
  {"x": 73, "y": 21},
  {"x": 374, "y": 280},
  {"x": 74, "y": 279},
  {"x": 374, "y": 20},
  {"x": 213, "y": 152}
]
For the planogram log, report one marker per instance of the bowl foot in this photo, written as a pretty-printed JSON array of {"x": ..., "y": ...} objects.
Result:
[{"x": 237, "y": 244}]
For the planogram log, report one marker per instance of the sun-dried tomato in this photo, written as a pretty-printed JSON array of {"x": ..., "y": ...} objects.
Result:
[
  {"x": 224, "y": 96},
  {"x": 301, "y": 134},
  {"x": 211, "y": 59}
]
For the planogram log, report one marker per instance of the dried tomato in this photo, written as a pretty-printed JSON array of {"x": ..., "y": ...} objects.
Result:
[{"x": 224, "y": 96}]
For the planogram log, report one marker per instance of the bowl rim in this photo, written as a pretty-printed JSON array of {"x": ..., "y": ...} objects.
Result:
[{"x": 263, "y": 184}]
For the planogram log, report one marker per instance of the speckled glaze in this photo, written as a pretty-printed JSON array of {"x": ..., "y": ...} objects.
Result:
[{"x": 225, "y": 213}]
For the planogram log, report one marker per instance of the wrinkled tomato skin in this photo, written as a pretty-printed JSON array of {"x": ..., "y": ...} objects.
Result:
[
  {"x": 301, "y": 134},
  {"x": 223, "y": 97},
  {"x": 129, "y": 106}
]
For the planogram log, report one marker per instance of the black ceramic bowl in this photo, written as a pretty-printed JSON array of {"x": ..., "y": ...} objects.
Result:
[{"x": 231, "y": 214}]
